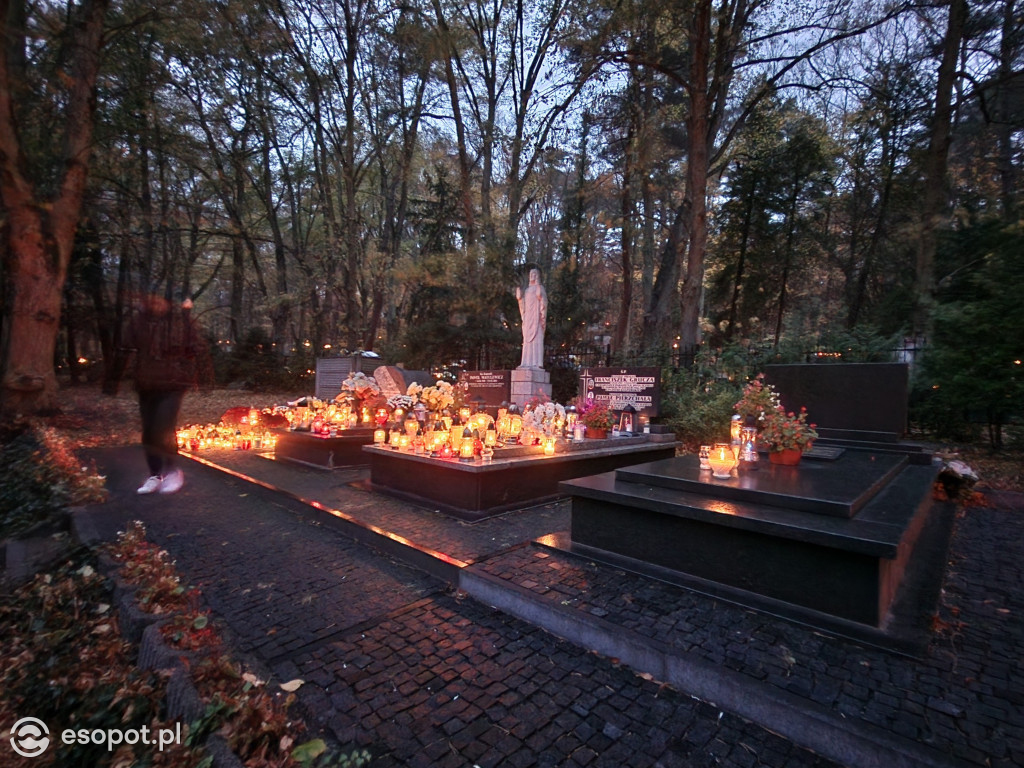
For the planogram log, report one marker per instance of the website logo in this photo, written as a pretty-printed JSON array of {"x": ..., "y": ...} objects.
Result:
[{"x": 30, "y": 737}]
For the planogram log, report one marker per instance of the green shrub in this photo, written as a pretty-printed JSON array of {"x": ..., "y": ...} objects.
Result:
[
  {"x": 699, "y": 410},
  {"x": 256, "y": 365}
]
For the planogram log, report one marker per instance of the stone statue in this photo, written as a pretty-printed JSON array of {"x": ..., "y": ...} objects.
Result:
[{"x": 533, "y": 306}]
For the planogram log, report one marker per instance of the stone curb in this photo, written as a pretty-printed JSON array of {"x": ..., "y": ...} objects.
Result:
[
  {"x": 847, "y": 742},
  {"x": 33, "y": 550},
  {"x": 181, "y": 697}
]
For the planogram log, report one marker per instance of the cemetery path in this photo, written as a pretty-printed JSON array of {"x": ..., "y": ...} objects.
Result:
[{"x": 403, "y": 661}]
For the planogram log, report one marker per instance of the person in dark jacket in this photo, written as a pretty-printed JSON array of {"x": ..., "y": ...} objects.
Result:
[{"x": 169, "y": 356}]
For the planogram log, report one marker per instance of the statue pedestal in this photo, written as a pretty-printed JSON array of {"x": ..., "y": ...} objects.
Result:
[{"x": 528, "y": 383}]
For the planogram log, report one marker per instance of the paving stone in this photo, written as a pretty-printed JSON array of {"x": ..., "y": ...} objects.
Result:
[{"x": 373, "y": 637}]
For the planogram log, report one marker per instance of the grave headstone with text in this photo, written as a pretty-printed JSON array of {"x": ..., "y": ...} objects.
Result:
[
  {"x": 619, "y": 387},
  {"x": 492, "y": 388}
]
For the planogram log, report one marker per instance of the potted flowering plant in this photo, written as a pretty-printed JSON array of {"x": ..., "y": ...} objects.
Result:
[
  {"x": 760, "y": 401},
  {"x": 787, "y": 435},
  {"x": 598, "y": 418}
]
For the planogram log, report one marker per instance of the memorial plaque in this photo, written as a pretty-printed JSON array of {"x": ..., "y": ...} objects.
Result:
[
  {"x": 619, "y": 387},
  {"x": 492, "y": 387}
]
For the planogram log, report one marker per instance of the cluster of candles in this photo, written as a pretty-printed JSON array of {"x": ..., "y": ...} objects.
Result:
[
  {"x": 723, "y": 458},
  {"x": 196, "y": 438},
  {"x": 470, "y": 437},
  {"x": 475, "y": 436},
  {"x": 335, "y": 417},
  {"x": 250, "y": 433}
]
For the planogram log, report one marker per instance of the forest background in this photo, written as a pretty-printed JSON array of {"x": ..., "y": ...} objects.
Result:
[{"x": 705, "y": 185}]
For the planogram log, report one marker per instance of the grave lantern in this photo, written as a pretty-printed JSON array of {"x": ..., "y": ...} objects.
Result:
[
  {"x": 379, "y": 436},
  {"x": 722, "y": 460},
  {"x": 627, "y": 419},
  {"x": 748, "y": 449},
  {"x": 549, "y": 446},
  {"x": 466, "y": 446},
  {"x": 734, "y": 429}
]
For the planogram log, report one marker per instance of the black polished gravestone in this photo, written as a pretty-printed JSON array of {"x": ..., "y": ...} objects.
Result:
[
  {"x": 517, "y": 476},
  {"x": 857, "y": 405},
  {"x": 343, "y": 449},
  {"x": 825, "y": 541}
]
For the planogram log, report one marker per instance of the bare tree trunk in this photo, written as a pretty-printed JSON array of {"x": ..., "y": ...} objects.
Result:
[
  {"x": 698, "y": 125},
  {"x": 934, "y": 193},
  {"x": 737, "y": 283},
  {"x": 465, "y": 165},
  {"x": 788, "y": 261},
  {"x": 619, "y": 340},
  {"x": 1008, "y": 47},
  {"x": 40, "y": 233}
]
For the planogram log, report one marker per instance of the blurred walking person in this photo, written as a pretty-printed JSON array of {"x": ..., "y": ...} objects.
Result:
[{"x": 170, "y": 359}]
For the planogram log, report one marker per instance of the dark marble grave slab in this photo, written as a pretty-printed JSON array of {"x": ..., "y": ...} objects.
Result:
[
  {"x": 517, "y": 477},
  {"x": 743, "y": 535},
  {"x": 324, "y": 451},
  {"x": 836, "y": 488}
]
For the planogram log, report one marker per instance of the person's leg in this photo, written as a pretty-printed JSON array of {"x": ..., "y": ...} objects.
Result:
[
  {"x": 165, "y": 439},
  {"x": 148, "y": 402}
]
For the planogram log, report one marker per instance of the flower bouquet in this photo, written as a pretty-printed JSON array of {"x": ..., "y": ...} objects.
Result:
[
  {"x": 360, "y": 387},
  {"x": 544, "y": 418},
  {"x": 435, "y": 398},
  {"x": 405, "y": 402}
]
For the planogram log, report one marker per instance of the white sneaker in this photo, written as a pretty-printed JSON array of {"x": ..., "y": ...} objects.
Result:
[
  {"x": 172, "y": 483},
  {"x": 152, "y": 485}
]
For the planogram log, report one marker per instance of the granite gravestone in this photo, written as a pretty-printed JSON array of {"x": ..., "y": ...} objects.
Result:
[
  {"x": 393, "y": 380},
  {"x": 619, "y": 387},
  {"x": 847, "y": 399},
  {"x": 490, "y": 388}
]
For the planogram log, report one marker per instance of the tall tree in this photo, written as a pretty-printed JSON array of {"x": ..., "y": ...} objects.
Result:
[
  {"x": 934, "y": 193},
  {"x": 41, "y": 206}
]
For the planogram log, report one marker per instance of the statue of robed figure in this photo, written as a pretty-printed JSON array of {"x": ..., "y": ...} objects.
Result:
[{"x": 533, "y": 306}]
